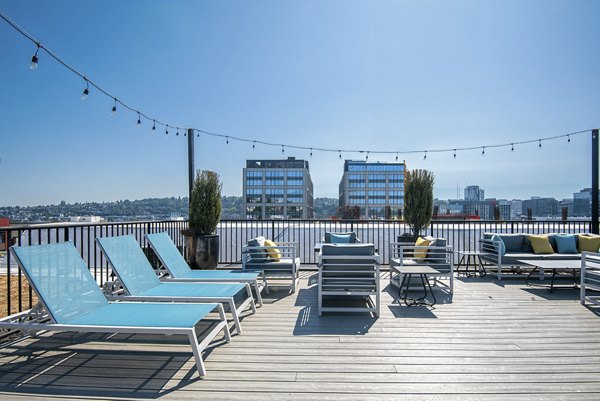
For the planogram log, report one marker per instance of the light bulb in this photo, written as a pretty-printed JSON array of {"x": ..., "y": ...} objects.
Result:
[
  {"x": 34, "y": 59},
  {"x": 139, "y": 121},
  {"x": 114, "y": 109},
  {"x": 153, "y": 125}
]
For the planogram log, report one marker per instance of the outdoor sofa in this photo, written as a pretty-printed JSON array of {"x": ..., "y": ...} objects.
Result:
[{"x": 508, "y": 255}]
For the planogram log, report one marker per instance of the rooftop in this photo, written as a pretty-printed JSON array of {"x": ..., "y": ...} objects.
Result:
[{"x": 495, "y": 340}]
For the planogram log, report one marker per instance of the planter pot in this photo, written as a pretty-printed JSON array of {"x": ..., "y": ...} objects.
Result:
[{"x": 202, "y": 250}]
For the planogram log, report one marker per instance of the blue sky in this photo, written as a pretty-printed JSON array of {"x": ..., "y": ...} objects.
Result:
[{"x": 371, "y": 75}]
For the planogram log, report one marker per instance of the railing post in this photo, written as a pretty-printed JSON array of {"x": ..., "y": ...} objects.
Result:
[
  {"x": 595, "y": 166},
  {"x": 190, "y": 135}
]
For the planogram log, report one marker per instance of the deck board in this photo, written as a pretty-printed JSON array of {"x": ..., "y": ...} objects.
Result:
[{"x": 492, "y": 340}]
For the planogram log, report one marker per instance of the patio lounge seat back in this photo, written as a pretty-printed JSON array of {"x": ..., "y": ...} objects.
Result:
[
  {"x": 61, "y": 278},
  {"x": 329, "y": 237},
  {"x": 129, "y": 263},
  {"x": 168, "y": 254}
]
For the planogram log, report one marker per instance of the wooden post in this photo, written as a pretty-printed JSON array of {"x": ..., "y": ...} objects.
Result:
[
  {"x": 191, "y": 172},
  {"x": 594, "y": 225}
]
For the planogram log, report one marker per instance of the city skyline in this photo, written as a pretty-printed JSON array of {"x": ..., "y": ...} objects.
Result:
[{"x": 380, "y": 76}]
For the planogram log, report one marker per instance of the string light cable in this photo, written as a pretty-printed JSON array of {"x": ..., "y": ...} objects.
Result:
[{"x": 117, "y": 101}]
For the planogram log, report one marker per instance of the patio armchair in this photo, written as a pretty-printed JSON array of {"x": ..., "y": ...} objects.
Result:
[
  {"x": 349, "y": 273},
  {"x": 437, "y": 255},
  {"x": 274, "y": 261},
  {"x": 590, "y": 278}
]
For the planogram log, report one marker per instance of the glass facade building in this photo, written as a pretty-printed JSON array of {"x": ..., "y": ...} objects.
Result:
[
  {"x": 278, "y": 189},
  {"x": 376, "y": 188}
]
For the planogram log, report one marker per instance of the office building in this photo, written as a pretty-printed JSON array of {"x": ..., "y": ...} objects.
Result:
[
  {"x": 278, "y": 189},
  {"x": 375, "y": 189},
  {"x": 474, "y": 193}
]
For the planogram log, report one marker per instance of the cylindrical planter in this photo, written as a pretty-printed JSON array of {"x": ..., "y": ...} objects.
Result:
[{"x": 203, "y": 251}]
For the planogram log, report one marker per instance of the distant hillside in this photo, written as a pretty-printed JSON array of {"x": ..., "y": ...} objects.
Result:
[{"x": 143, "y": 209}]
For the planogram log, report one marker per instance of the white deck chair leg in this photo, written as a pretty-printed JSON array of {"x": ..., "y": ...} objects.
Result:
[
  {"x": 258, "y": 296},
  {"x": 197, "y": 352},
  {"x": 266, "y": 283},
  {"x": 251, "y": 297},
  {"x": 224, "y": 319},
  {"x": 236, "y": 317}
]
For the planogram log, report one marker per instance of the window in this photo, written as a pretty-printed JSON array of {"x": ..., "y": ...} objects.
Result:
[
  {"x": 274, "y": 174},
  {"x": 253, "y": 195},
  {"x": 274, "y": 182},
  {"x": 295, "y": 212},
  {"x": 274, "y": 212},
  {"x": 295, "y": 174},
  {"x": 253, "y": 212},
  {"x": 254, "y": 174},
  {"x": 274, "y": 195},
  {"x": 295, "y": 182}
]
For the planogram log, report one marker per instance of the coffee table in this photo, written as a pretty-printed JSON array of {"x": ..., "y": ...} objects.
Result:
[
  {"x": 473, "y": 258},
  {"x": 544, "y": 264},
  {"x": 422, "y": 272}
]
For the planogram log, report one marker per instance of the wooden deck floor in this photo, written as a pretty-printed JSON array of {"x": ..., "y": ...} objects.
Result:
[{"x": 494, "y": 340}]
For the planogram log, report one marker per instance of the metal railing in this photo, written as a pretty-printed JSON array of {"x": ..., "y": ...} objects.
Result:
[{"x": 460, "y": 234}]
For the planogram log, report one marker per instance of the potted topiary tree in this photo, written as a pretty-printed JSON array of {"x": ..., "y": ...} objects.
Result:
[
  {"x": 205, "y": 213},
  {"x": 418, "y": 201}
]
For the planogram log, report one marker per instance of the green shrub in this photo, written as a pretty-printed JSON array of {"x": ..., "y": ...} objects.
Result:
[
  {"x": 205, "y": 203},
  {"x": 418, "y": 199}
]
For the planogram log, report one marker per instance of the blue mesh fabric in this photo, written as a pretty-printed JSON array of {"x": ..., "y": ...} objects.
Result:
[
  {"x": 169, "y": 254},
  {"x": 167, "y": 290},
  {"x": 61, "y": 279},
  {"x": 220, "y": 274},
  {"x": 129, "y": 262}
]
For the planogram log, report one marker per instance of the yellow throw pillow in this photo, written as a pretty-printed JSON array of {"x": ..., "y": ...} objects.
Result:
[
  {"x": 273, "y": 253},
  {"x": 421, "y": 253},
  {"x": 589, "y": 244},
  {"x": 541, "y": 244}
]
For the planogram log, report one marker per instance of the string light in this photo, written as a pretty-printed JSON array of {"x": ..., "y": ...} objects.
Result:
[
  {"x": 34, "y": 59},
  {"x": 367, "y": 158},
  {"x": 512, "y": 147},
  {"x": 167, "y": 129},
  {"x": 227, "y": 140},
  {"x": 483, "y": 151},
  {"x": 139, "y": 121},
  {"x": 282, "y": 149},
  {"x": 90, "y": 83},
  {"x": 396, "y": 156},
  {"x": 455, "y": 153},
  {"x": 177, "y": 134},
  {"x": 86, "y": 91},
  {"x": 340, "y": 152}
]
